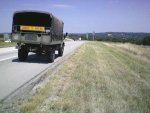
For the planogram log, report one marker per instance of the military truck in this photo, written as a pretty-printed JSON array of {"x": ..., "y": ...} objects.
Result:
[{"x": 38, "y": 32}]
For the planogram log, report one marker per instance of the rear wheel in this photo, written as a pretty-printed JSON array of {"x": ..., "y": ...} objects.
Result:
[
  {"x": 51, "y": 56},
  {"x": 60, "y": 51},
  {"x": 38, "y": 53},
  {"x": 22, "y": 54}
]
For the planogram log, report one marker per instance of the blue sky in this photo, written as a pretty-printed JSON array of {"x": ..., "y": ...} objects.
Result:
[{"x": 81, "y": 16}]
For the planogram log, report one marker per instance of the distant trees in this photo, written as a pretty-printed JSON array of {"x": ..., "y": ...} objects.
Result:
[
  {"x": 1, "y": 38},
  {"x": 135, "y": 38},
  {"x": 146, "y": 40},
  {"x": 138, "y": 41},
  {"x": 122, "y": 40}
]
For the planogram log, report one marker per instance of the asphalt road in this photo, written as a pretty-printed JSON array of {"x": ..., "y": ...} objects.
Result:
[{"x": 13, "y": 73}]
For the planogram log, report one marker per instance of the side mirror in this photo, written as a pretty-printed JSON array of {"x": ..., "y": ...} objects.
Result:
[{"x": 65, "y": 35}]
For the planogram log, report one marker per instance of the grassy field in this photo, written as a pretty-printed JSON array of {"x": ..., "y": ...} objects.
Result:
[{"x": 99, "y": 78}]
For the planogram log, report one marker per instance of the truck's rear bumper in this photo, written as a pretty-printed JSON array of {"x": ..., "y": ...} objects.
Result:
[{"x": 31, "y": 38}]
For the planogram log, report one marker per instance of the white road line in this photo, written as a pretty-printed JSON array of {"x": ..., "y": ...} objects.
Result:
[{"x": 7, "y": 58}]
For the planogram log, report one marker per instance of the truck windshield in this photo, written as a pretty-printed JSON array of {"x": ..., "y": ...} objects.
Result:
[{"x": 32, "y": 19}]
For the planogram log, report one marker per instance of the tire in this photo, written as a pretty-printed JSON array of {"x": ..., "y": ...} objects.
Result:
[
  {"x": 60, "y": 51},
  {"x": 38, "y": 53},
  {"x": 51, "y": 56},
  {"x": 22, "y": 54}
]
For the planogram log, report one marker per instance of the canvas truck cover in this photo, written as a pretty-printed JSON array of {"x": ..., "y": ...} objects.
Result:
[{"x": 34, "y": 21}]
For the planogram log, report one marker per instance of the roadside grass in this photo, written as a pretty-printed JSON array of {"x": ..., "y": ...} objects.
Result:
[
  {"x": 140, "y": 50},
  {"x": 99, "y": 78},
  {"x": 5, "y": 44},
  {"x": 39, "y": 96}
]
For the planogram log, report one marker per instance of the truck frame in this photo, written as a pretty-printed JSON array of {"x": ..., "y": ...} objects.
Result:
[{"x": 38, "y": 32}]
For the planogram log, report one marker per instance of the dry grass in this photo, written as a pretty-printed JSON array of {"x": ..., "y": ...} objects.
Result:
[
  {"x": 40, "y": 95},
  {"x": 135, "y": 49},
  {"x": 99, "y": 78}
]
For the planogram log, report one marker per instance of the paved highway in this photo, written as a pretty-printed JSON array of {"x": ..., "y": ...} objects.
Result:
[{"x": 13, "y": 73}]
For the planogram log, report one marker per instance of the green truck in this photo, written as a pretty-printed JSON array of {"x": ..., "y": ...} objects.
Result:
[{"x": 38, "y": 32}]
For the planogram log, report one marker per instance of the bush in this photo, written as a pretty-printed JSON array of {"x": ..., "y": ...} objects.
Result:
[
  {"x": 1, "y": 39},
  {"x": 146, "y": 40}
]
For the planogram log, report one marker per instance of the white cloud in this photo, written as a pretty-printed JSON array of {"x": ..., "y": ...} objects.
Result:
[{"x": 62, "y": 6}]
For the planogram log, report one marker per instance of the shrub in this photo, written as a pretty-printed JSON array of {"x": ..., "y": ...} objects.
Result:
[{"x": 146, "y": 40}]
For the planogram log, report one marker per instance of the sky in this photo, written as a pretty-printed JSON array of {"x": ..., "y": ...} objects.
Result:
[{"x": 81, "y": 16}]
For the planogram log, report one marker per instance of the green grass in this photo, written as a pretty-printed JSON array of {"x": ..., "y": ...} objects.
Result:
[
  {"x": 5, "y": 44},
  {"x": 100, "y": 78}
]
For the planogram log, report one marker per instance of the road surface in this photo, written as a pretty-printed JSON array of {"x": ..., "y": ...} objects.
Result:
[{"x": 13, "y": 73}]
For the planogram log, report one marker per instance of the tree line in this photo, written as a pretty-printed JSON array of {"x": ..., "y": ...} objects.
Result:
[{"x": 145, "y": 40}]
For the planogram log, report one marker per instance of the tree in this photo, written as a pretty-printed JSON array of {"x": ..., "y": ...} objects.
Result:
[{"x": 146, "y": 40}]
